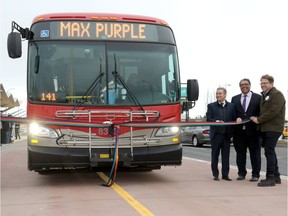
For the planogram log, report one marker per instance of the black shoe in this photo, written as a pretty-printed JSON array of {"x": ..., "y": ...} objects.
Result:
[
  {"x": 216, "y": 178},
  {"x": 267, "y": 182},
  {"x": 240, "y": 177},
  {"x": 226, "y": 178},
  {"x": 253, "y": 179},
  {"x": 277, "y": 180}
]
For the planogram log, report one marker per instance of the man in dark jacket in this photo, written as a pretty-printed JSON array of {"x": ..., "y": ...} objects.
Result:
[
  {"x": 17, "y": 130},
  {"x": 246, "y": 136},
  {"x": 220, "y": 111},
  {"x": 271, "y": 124}
]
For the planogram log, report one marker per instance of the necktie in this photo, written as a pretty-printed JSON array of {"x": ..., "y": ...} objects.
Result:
[{"x": 244, "y": 103}]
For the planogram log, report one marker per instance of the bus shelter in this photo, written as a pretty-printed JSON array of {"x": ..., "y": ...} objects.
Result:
[{"x": 7, "y": 102}]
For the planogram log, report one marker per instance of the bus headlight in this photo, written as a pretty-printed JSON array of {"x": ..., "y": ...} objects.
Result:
[
  {"x": 42, "y": 131},
  {"x": 167, "y": 131}
]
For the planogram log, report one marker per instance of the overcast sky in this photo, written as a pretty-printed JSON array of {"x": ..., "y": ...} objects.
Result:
[{"x": 219, "y": 41}]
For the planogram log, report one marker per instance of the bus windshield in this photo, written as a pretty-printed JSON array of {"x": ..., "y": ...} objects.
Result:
[{"x": 102, "y": 73}]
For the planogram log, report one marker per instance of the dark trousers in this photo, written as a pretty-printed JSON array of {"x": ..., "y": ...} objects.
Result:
[
  {"x": 269, "y": 142},
  {"x": 242, "y": 142},
  {"x": 9, "y": 136},
  {"x": 3, "y": 136},
  {"x": 17, "y": 134},
  {"x": 220, "y": 143}
]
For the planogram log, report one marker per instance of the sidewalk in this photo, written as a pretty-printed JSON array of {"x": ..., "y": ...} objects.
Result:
[
  {"x": 184, "y": 190},
  {"x": 22, "y": 138},
  {"x": 14, "y": 141},
  {"x": 237, "y": 198}
]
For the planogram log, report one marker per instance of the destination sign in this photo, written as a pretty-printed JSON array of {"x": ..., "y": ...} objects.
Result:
[{"x": 100, "y": 31}]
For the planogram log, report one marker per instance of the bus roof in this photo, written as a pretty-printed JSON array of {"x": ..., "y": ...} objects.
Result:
[{"x": 100, "y": 17}]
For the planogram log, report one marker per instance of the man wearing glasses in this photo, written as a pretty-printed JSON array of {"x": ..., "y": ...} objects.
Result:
[
  {"x": 271, "y": 124},
  {"x": 246, "y": 136}
]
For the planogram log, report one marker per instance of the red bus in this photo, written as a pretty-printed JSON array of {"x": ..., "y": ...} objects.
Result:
[{"x": 101, "y": 68}]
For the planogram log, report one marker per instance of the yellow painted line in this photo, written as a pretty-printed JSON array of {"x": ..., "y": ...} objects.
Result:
[{"x": 142, "y": 210}]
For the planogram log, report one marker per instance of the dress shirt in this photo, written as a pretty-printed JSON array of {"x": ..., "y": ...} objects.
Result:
[{"x": 248, "y": 98}]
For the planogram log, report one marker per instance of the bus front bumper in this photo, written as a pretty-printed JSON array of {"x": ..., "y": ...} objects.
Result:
[{"x": 40, "y": 157}]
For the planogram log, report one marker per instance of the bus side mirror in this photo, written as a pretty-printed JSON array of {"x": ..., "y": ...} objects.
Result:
[
  {"x": 192, "y": 90},
  {"x": 14, "y": 45}
]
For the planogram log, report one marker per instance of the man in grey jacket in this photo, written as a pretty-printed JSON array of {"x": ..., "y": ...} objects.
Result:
[{"x": 271, "y": 124}]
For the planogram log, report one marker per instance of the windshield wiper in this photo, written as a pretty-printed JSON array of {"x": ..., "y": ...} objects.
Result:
[
  {"x": 91, "y": 87},
  {"x": 117, "y": 76}
]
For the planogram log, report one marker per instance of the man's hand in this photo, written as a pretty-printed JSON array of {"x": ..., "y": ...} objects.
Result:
[
  {"x": 238, "y": 120},
  {"x": 254, "y": 119}
]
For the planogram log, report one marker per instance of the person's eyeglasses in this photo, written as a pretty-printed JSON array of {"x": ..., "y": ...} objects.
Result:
[{"x": 264, "y": 83}]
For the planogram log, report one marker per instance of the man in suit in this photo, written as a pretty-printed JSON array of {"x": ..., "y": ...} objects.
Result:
[
  {"x": 246, "y": 136},
  {"x": 220, "y": 111}
]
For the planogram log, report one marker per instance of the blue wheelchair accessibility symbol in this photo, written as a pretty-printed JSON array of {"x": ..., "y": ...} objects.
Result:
[{"x": 44, "y": 33}]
